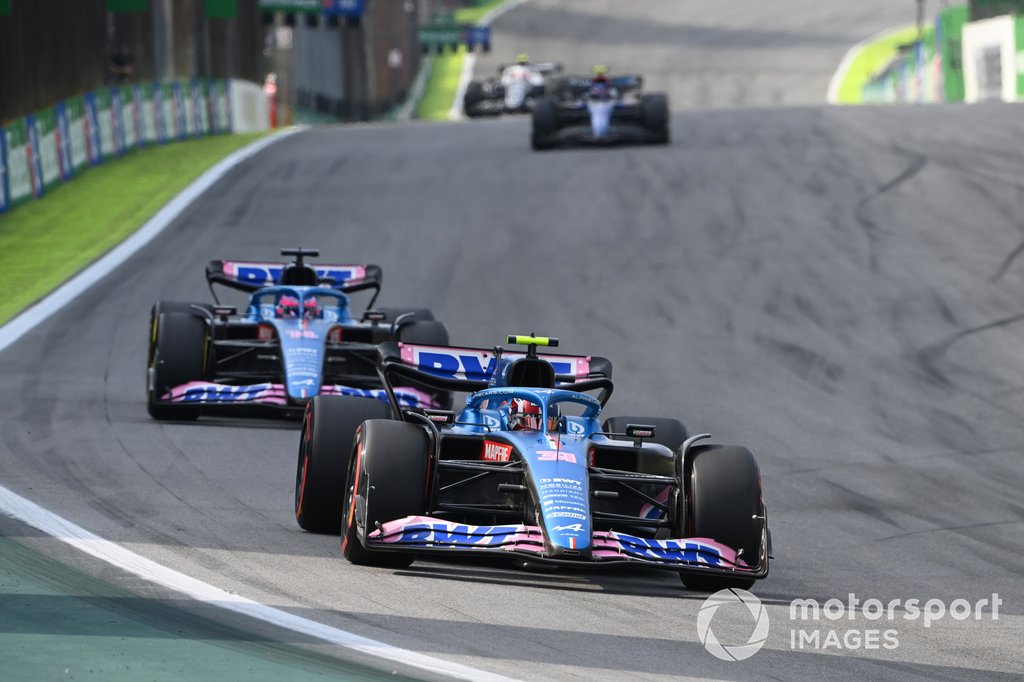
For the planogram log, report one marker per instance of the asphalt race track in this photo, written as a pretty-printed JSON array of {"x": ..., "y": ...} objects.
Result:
[{"x": 839, "y": 289}]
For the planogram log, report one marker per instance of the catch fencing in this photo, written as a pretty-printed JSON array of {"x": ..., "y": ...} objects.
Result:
[{"x": 57, "y": 144}]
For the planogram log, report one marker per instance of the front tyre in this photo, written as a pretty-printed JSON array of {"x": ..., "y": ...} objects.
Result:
[
  {"x": 387, "y": 481},
  {"x": 328, "y": 430},
  {"x": 178, "y": 356},
  {"x": 725, "y": 506}
]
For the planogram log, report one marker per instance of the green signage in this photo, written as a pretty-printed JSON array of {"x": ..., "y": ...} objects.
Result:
[
  {"x": 952, "y": 20},
  {"x": 983, "y": 9},
  {"x": 310, "y": 6},
  {"x": 220, "y": 9},
  {"x": 442, "y": 34},
  {"x": 127, "y": 5},
  {"x": 5, "y": 8}
]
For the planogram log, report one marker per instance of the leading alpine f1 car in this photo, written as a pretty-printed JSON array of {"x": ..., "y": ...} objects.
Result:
[
  {"x": 526, "y": 470},
  {"x": 296, "y": 339},
  {"x": 600, "y": 111}
]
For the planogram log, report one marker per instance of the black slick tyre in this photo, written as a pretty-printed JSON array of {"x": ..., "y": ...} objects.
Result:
[
  {"x": 668, "y": 432},
  {"x": 654, "y": 114},
  {"x": 426, "y": 333},
  {"x": 544, "y": 120},
  {"x": 724, "y": 495},
  {"x": 416, "y": 314},
  {"x": 325, "y": 447},
  {"x": 178, "y": 356},
  {"x": 387, "y": 481},
  {"x": 474, "y": 95}
]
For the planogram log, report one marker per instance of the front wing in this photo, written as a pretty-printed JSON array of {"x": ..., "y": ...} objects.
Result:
[
  {"x": 428, "y": 534},
  {"x": 619, "y": 133},
  {"x": 276, "y": 395}
]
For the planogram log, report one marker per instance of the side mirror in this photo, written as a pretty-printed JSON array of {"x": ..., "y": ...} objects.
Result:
[{"x": 640, "y": 431}]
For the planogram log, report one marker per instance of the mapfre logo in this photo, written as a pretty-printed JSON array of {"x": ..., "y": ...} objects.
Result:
[
  {"x": 496, "y": 452},
  {"x": 735, "y": 611}
]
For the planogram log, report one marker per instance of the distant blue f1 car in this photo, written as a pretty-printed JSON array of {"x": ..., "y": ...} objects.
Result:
[
  {"x": 600, "y": 111},
  {"x": 296, "y": 339},
  {"x": 526, "y": 470}
]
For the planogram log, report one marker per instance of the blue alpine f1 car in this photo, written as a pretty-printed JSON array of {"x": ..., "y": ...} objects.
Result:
[
  {"x": 526, "y": 470},
  {"x": 297, "y": 339}
]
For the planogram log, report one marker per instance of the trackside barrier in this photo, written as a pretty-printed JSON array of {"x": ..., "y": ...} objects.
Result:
[
  {"x": 915, "y": 76},
  {"x": 55, "y": 145}
]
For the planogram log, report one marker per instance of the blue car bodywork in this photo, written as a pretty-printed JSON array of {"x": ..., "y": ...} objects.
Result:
[
  {"x": 567, "y": 492},
  {"x": 296, "y": 339}
]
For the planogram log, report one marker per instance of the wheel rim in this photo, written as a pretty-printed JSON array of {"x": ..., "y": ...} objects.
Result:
[
  {"x": 303, "y": 466},
  {"x": 350, "y": 501}
]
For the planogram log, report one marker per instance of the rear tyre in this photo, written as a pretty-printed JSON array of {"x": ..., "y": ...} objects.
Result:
[
  {"x": 668, "y": 432},
  {"x": 418, "y": 314},
  {"x": 427, "y": 333},
  {"x": 474, "y": 95},
  {"x": 170, "y": 307},
  {"x": 387, "y": 481},
  {"x": 545, "y": 124},
  {"x": 654, "y": 114},
  {"x": 725, "y": 496},
  {"x": 424, "y": 333},
  {"x": 325, "y": 447},
  {"x": 178, "y": 356}
]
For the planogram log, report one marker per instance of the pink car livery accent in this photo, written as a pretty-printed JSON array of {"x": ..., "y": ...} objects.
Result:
[
  {"x": 276, "y": 394},
  {"x": 437, "y": 534}
]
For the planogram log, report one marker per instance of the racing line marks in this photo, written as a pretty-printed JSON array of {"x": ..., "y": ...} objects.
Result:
[{"x": 916, "y": 164}]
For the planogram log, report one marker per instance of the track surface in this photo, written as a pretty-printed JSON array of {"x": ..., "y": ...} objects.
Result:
[
  {"x": 704, "y": 54},
  {"x": 836, "y": 288}
]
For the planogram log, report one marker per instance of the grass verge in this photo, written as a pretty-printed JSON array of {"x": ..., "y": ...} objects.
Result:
[
  {"x": 871, "y": 58},
  {"x": 472, "y": 15},
  {"x": 43, "y": 243},
  {"x": 443, "y": 83}
]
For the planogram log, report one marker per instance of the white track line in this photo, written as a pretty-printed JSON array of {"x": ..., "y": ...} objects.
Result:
[
  {"x": 26, "y": 511},
  {"x": 29, "y": 512},
  {"x": 469, "y": 63},
  {"x": 851, "y": 54}
]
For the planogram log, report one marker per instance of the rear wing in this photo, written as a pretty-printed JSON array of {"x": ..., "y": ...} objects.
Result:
[
  {"x": 457, "y": 368},
  {"x": 251, "y": 276},
  {"x": 579, "y": 85}
]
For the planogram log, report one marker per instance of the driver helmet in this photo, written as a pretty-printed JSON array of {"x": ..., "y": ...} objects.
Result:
[
  {"x": 522, "y": 59},
  {"x": 287, "y": 306},
  {"x": 600, "y": 86},
  {"x": 311, "y": 308},
  {"x": 525, "y": 415}
]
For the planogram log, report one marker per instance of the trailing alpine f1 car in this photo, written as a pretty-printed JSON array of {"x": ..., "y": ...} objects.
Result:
[
  {"x": 296, "y": 339},
  {"x": 600, "y": 111},
  {"x": 526, "y": 470},
  {"x": 514, "y": 91}
]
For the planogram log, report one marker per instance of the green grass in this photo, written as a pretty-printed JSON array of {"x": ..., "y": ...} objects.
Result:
[
  {"x": 870, "y": 60},
  {"x": 45, "y": 242},
  {"x": 439, "y": 95},
  {"x": 441, "y": 86},
  {"x": 471, "y": 15}
]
